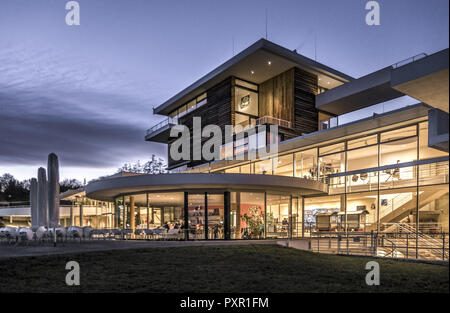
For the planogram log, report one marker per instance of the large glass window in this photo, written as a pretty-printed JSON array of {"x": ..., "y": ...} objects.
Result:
[
  {"x": 332, "y": 148},
  {"x": 362, "y": 158},
  {"x": 166, "y": 210},
  {"x": 362, "y": 142},
  {"x": 284, "y": 165},
  {"x": 433, "y": 209},
  {"x": 433, "y": 173},
  {"x": 399, "y": 133},
  {"x": 196, "y": 209},
  {"x": 118, "y": 213},
  {"x": 264, "y": 167},
  {"x": 296, "y": 217},
  {"x": 247, "y": 215},
  {"x": 397, "y": 205},
  {"x": 246, "y": 101},
  {"x": 399, "y": 151},
  {"x": 331, "y": 164},
  {"x": 362, "y": 211},
  {"x": 306, "y": 164},
  {"x": 216, "y": 216},
  {"x": 277, "y": 218},
  {"x": 425, "y": 152},
  {"x": 321, "y": 213},
  {"x": 360, "y": 182}
]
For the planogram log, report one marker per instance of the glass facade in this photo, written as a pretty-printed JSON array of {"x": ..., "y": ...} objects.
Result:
[{"x": 388, "y": 181}]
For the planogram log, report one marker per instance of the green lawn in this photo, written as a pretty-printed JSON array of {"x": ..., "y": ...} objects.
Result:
[{"x": 249, "y": 268}]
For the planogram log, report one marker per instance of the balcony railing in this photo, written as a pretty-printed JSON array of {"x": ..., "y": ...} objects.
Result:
[
  {"x": 167, "y": 121},
  {"x": 273, "y": 121},
  {"x": 409, "y": 60}
]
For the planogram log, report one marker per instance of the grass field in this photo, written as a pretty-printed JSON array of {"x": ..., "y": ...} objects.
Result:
[{"x": 250, "y": 268}]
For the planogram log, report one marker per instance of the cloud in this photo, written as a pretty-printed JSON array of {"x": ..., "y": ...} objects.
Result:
[{"x": 88, "y": 116}]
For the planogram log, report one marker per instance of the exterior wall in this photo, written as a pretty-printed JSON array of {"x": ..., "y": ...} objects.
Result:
[
  {"x": 305, "y": 112},
  {"x": 290, "y": 96},
  {"x": 216, "y": 111}
]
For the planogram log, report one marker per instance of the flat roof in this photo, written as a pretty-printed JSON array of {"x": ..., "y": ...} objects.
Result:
[
  {"x": 252, "y": 64},
  {"x": 109, "y": 188}
]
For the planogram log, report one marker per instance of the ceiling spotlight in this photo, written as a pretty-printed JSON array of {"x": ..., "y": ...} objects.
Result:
[
  {"x": 269, "y": 62},
  {"x": 253, "y": 72}
]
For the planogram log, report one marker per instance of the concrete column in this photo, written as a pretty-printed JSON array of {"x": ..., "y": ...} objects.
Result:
[
  {"x": 238, "y": 234},
  {"x": 53, "y": 190},
  {"x": 132, "y": 217},
  {"x": 226, "y": 224},
  {"x": 34, "y": 203},
  {"x": 42, "y": 198},
  {"x": 71, "y": 214},
  {"x": 81, "y": 215}
]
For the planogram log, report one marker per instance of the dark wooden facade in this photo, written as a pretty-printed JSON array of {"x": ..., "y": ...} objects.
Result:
[
  {"x": 217, "y": 111},
  {"x": 289, "y": 96}
]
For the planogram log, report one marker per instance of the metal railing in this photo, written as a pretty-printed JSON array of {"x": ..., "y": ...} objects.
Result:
[
  {"x": 405, "y": 244},
  {"x": 409, "y": 60},
  {"x": 165, "y": 122},
  {"x": 274, "y": 121}
]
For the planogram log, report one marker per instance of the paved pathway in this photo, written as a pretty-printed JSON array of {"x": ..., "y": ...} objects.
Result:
[{"x": 34, "y": 249}]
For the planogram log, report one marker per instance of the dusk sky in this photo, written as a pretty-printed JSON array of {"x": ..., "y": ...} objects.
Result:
[{"x": 86, "y": 92}]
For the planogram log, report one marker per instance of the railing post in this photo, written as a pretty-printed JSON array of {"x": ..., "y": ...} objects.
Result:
[
  {"x": 407, "y": 246},
  {"x": 443, "y": 247},
  {"x": 318, "y": 243},
  {"x": 338, "y": 243},
  {"x": 347, "y": 245}
]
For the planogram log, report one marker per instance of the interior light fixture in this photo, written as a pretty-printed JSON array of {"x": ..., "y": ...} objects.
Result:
[
  {"x": 269, "y": 62},
  {"x": 253, "y": 72}
]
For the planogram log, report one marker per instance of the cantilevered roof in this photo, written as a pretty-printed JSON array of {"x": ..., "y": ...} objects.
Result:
[
  {"x": 109, "y": 188},
  {"x": 252, "y": 64},
  {"x": 422, "y": 77}
]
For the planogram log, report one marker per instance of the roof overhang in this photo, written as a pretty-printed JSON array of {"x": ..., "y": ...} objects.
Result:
[
  {"x": 108, "y": 189},
  {"x": 252, "y": 65},
  {"x": 425, "y": 80},
  {"x": 360, "y": 93}
]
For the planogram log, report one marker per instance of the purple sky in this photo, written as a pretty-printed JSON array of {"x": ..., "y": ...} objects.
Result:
[{"x": 86, "y": 92}]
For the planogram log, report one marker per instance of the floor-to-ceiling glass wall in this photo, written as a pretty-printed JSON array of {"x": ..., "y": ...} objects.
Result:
[
  {"x": 296, "y": 220},
  {"x": 216, "y": 216},
  {"x": 196, "y": 215},
  {"x": 277, "y": 216},
  {"x": 166, "y": 209},
  {"x": 247, "y": 215},
  {"x": 324, "y": 214}
]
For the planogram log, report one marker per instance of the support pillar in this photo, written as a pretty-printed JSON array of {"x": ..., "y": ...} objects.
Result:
[
  {"x": 206, "y": 215},
  {"x": 226, "y": 222},
  {"x": 81, "y": 215},
  {"x": 71, "y": 214},
  {"x": 132, "y": 217},
  {"x": 186, "y": 216}
]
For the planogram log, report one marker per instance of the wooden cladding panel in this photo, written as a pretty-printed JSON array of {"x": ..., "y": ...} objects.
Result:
[
  {"x": 216, "y": 111},
  {"x": 266, "y": 98},
  {"x": 305, "y": 112},
  {"x": 276, "y": 96}
]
